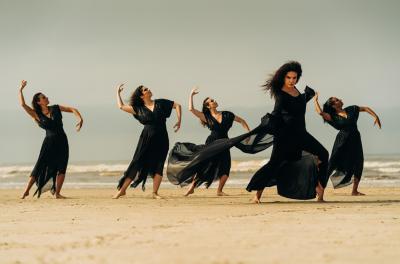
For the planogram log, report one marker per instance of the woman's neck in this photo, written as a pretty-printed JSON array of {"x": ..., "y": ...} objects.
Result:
[
  {"x": 148, "y": 101},
  {"x": 45, "y": 108},
  {"x": 214, "y": 111}
]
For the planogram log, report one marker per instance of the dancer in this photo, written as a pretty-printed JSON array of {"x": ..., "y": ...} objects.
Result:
[
  {"x": 291, "y": 138},
  {"x": 153, "y": 145},
  {"x": 53, "y": 158},
  {"x": 219, "y": 122},
  {"x": 347, "y": 158}
]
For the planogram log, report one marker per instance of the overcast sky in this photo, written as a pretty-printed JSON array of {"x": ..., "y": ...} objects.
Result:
[{"x": 77, "y": 51}]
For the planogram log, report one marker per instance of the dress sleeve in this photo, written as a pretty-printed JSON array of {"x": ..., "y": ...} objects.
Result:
[
  {"x": 309, "y": 92},
  {"x": 56, "y": 110},
  {"x": 230, "y": 117},
  {"x": 356, "y": 111},
  {"x": 166, "y": 107}
]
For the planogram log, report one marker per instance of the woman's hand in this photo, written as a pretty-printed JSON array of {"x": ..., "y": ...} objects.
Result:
[
  {"x": 79, "y": 125},
  {"x": 23, "y": 84},
  {"x": 120, "y": 87},
  {"x": 377, "y": 121},
  {"x": 177, "y": 126},
  {"x": 194, "y": 91}
]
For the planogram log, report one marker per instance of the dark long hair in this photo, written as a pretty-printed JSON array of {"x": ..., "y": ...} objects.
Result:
[
  {"x": 136, "y": 101},
  {"x": 35, "y": 105},
  {"x": 328, "y": 108},
  {"x": 276, "y": 81},
  {"x": 206, "y": 111}
]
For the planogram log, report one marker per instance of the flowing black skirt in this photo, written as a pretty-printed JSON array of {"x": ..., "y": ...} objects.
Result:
[
  {"x": 347, "y": 158},
  {"x": 206, "y": 163},
  {"x": 149, "y": 158},
  {"x": 52, "y": 160},
  {"x": 296, "y": 178}
]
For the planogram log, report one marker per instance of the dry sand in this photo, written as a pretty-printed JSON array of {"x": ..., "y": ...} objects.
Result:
[{"x": 92, "y": 228}]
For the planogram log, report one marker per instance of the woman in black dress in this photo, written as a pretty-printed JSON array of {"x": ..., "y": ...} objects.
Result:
[
  {"x": 219, "y": 122},
  {"x": 347, "y": 158},
  {"x": 153, "y": 145},
  {"x": 291, "y": 138},
  {"x": 53, "y": 158}
]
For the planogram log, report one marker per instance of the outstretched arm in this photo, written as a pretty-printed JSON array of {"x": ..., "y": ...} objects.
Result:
[
  {"x": 325, "y": 116},
  {"x": 377, "y": 121},
  {"x": 242, "y": 122},
  {"x": 121, "y": 105},
  {"x": 178, "y": 109},
  {"x": 75, "y": 111},
  {"x": 27, "y": 109},
  {"x": 196, "y": 112}
]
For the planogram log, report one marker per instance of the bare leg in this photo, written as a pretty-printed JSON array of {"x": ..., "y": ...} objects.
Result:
[
  {"x": 122, "y": 191},
  {"x": 320, "y": 192},
  {"x": 221, "y": 185},
  {"x": 28, "y": 187},
  {"x": 355, "y": 191},
  {"x": 191, "y": 188},
  {"x": 257, "y": 198},
  {"x": 59, "y": 183},
  {"x": 156, "y": 185}
]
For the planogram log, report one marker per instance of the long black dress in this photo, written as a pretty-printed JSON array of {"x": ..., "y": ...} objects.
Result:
[
  {"x": 347, "y": 158},
  {"x": 206, "y": 172},
  {"x": 292, "y": 166},
  {"x": 54, "y": 153},
  {"x": 153, "y": 145},
  {"x": 289, "y": 143}
]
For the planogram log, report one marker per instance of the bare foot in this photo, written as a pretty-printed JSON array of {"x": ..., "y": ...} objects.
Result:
[
  {"x": 119, "y": 194},
  {"x": 357, "y": 193},
  {"x": 221, "y": 194},
  {"x": 156, "y": 196},
  {"x": 320, "y": 193},
  {"x": 189, "y": 193},
  {"x": 255, "y": 200},
  {"x": 24, "y": 195},
  {"x": 59, "y": 196}
]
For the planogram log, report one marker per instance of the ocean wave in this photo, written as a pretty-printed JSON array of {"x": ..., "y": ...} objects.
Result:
[{"x": 238, "y": 166}]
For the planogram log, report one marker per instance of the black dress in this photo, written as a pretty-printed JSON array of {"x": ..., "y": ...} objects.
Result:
[
  {"x": 153, "y": 145},
  {"x": 347, "y": 158},
  {"x": 290, "y": 140},
  {"x": 212, "y": 169},
  {"x": 53, "y": 156}
]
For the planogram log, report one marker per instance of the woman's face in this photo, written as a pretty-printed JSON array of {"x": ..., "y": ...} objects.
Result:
[
  {"x": 336, "y": 103},
  {"x": 43, "y": 100},
  {"x": 146, "y": 93},
  {"x": 211, "y": 103},
  {"x": 290, "y": 79}
]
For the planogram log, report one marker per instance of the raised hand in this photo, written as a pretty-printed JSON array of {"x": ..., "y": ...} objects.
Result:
[
  {"x": 120, "y": 87},
  {"x": 23, "y": 84},
  {"x": 194, "y": 91}
]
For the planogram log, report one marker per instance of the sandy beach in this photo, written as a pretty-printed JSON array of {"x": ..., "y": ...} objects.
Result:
[{"x": 89, "y": 227}]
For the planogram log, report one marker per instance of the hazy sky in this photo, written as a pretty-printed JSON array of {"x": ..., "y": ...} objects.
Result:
[{"x": 76, "y": 51}]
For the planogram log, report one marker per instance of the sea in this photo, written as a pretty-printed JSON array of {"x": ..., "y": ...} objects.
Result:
[{"x": 379, "y": 171}]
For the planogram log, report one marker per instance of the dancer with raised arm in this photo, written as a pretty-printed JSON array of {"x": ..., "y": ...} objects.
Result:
[
  {"x": 152, "y": 148},
  {"x": 347, "y": 159},
  {"x": 53, "y": 157},
  {"x": 291, "y": 137},
  {"x": 218, "y": 168}
]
